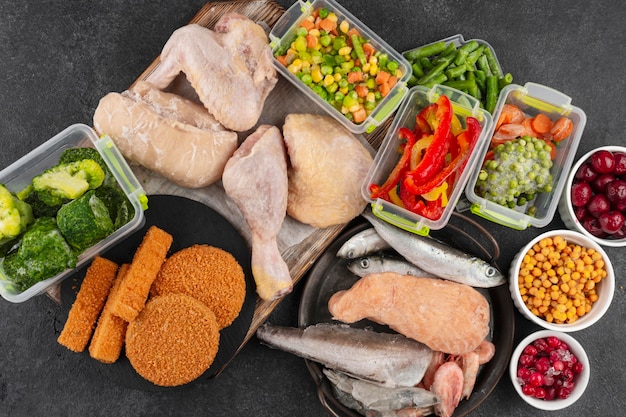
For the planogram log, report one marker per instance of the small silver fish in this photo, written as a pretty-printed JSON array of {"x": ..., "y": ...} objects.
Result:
[
  {"x": 388, "y": 359},
  {"x": 372, "y": 399},
  {"x": 373, "y": 264},
  {"x": 361, "y": 244},
  {"x": 436, "y": 257}
]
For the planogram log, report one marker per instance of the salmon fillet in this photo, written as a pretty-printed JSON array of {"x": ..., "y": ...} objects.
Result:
[
  {"x": 89, "y": 302},
  {"x": 150, "y": 255},
  {"x": 108, "y": 338},
  {"x": 444, "y": 315}
]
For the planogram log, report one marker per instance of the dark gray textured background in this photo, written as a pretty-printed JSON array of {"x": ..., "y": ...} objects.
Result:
[{"x": 57, "y": 58}]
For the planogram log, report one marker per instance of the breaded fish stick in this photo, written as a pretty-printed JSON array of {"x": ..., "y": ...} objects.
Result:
[
  {"x": 150, "y": 255},
  {"x": 108, "y": 338},
  {"x": 90, "y": 300}
]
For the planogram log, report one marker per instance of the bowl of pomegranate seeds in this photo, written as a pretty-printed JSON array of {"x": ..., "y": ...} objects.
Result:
[
  {"x": 549, "y": 370},
  {"x": 594, "y": 199}
]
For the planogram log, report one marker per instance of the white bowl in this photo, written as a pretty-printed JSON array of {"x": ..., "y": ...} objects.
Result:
[
  {"x": 605, "y": 288},
  {"x": 581, "y": 379},
  {"x": 566, "y": 210}
]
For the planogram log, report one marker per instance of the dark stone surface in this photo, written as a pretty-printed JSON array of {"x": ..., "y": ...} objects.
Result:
[{"x": 57, "y": 60}]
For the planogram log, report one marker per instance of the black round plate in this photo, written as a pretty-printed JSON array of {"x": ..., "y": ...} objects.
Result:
[
  {"x": 189, "y": 222},
  {"x": 330, "y": 274}
]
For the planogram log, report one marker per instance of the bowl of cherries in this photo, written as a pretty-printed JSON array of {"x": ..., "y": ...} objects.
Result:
[
  {"x": 549, "y": 370},
  {"x": 594, "y": 199}
]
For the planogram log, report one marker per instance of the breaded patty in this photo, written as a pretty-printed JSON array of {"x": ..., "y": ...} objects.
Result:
[
  {"x": 147, "y": 260},
  {"x": 173, "y": 340},
  {"x": 89, "y": 302},
  {"x": 209, "y": 274}
]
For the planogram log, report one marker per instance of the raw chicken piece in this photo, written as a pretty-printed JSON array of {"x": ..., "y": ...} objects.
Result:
[
  {"x": 444, "y": 315},
  {"x": 166, "y": 133},
  {"x": 448, "y": 386},
  {"x": 328, "y": 165},
  {"x": 255, "y": 178},
  {"x": 230, "y": 68}
]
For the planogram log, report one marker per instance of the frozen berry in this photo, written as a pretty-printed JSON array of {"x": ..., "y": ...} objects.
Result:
[{"x": 603, "y": 161}]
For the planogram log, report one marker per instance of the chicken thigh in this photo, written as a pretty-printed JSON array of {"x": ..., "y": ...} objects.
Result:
[
  {"x": 230, "y": 68},
  {"x": 255, "y": 178}
]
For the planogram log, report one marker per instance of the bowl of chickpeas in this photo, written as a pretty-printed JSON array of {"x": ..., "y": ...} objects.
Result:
[{"x": 562, "y": 281}]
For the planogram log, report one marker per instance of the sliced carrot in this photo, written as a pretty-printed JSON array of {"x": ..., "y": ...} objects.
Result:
[
  {"x": 561, "y": 129},
  {"x": 307, "y": 24},
  {"x": 542, "y": 123},
  {"x": 361, "y": 90},
  {"x": 354, "y": 77},
  {"x": 327, "y": 24},
  {"x": 360, "y": 115},
  {"x": 529, "y": 130},
  {"x": 510, "y": 113},
  {"x": 384, "y": 89},
  {"x": 382, "y": 77}
]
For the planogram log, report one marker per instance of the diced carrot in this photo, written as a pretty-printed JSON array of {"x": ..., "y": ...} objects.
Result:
[
  {"x": 561, "y": 129},
  {"x": 282, "y": 59},
  {"x": 353, "y": 31},
  {"x": 360, "y": 115},
  {"x": 382, "y": 77},
  {"x": 354, "y": 77},
  {"x": 392, "y": 81},
  {"x": 307, "y": 24},
  {"x": 327, "y": 24},
  {"x": 368, "y": 49},
  {"x": 384, "y": 89},
  {"x": 510, "y": 113},
  {"x": 311, "y": 41},
  {"x": 542, "y": 123},
  {"x": 361, "y": 90}
]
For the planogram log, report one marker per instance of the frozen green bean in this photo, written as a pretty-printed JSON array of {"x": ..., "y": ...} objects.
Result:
[{"x": 426, "y": 51}]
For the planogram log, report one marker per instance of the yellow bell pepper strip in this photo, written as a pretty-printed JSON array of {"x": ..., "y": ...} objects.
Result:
[
  {"x": 398, "y": 171},
  {"x": 466, "y": 141},
  {"x": 434, "y": 158}
]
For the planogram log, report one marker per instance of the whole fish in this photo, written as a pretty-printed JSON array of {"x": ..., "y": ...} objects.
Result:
[
  {"x": 388, "y": 359},
  {"x": 436, "y": 257},
  {"x": 373, "y": 264},
  {"x": 362, "y": 243},
  {"x": 373, "y": 399}
]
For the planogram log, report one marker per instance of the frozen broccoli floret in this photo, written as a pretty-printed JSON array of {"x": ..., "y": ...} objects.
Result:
[
  {"x": 15, "y": 215},
  {"x": 42, "y": 253},
  {"x": 38, "y": 206},
  {"x": 68, "y": 181},
  {"x": 120, "y": 208},
  {"x": 78, "y": 154},
  {"x": 84, "y": 221}
]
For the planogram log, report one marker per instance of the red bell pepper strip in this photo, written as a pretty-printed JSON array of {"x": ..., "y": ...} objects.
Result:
[
  {"x": 466, "y": 141},
  {"x": 434, "y": 156},
  {"x": 430, "y": 209},
  {"x": 398, "y": 171}
]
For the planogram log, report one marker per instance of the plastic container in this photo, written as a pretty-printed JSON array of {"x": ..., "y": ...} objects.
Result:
[
  {"x": 581, "y": 380},
  {"x": 387, "y": 157},
  {"x": 283, "y": 33},
  {"x": 19, "y": 174},
  {"x": 605, "y": 288},
  {"x": 533, "y": 99},
  {"x": 566, "y": 210}
]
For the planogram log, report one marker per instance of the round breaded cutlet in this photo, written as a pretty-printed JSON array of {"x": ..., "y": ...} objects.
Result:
[
  {"x": 211, "y": 275},
  {"x": 173, "y": 340}
]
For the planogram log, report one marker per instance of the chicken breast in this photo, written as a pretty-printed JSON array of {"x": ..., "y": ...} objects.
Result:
[
  {"x": 328, "y": 165},
  {"x": 230, "y": 68},
  {"x": 166, "y": 133},
  {"x": 444, "y": 315}
]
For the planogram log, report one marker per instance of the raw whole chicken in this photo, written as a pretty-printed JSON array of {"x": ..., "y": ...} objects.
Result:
[
  {"x": 230, "y": 68},
  {"x": 328, "y": 165},
  {"x": 255, "y": 178}
]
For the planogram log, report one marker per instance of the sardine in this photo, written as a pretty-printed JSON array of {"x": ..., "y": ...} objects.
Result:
[
  {"x": 362, "y": 243},
  {"x": 388, "y": 359},
  {"x": 373, "y": 264},
  {"x": 373, "y": 399},
  {"x": 437, "y": 257}
]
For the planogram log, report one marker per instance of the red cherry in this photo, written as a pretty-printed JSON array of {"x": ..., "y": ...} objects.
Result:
[
  {"x": 598, "y": 204},
  {"x": 586, "y": 173},
  {"x": 600, "y": 183},
  {"x": 621, "y": 233},
  {"x": 611, "y": 221},
  {"x": 581, "y": 193},
  {"x": 620, "y": 163},
  {"x": 603, "y": 161},
  {"x": 592, "y": 225},
  {"x": 616, "y": 191},
  {"x": 580, "y": 212}
]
